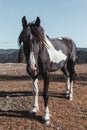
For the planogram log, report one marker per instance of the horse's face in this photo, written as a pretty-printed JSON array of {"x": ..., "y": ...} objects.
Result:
[{"x": 30, "y": 46}]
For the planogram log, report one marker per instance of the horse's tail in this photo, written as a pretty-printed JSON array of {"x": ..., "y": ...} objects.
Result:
[{"x": 73, "y": 57}]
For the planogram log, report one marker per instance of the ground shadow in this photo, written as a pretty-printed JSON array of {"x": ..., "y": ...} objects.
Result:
[
  {"x": 57, "y": 95},
  {"x": 57, "y": 78},
  {"x": 6, "y": 94},
  {"x": 25, "y": 113},
  {"x": 53, "y": 78},
  {"x": 14, "y": 78},
  {"x": 82, "y": 79},
  {"x": 16, "y": 93},
  {"x": 20, "y": 114}
]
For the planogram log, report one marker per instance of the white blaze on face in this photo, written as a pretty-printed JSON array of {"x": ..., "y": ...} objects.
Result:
[
  {"x": 32, "y": 60},
  {"x": 32, "y": 57},
  {"x": 55, "y": 56}
]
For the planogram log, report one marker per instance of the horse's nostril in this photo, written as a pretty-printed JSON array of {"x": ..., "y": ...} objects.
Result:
[
  {"x": 35, "y": 66},
  {"x": 32, "y": 71}
]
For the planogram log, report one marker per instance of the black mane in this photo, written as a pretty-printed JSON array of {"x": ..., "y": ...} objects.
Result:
[{"x": 38, "y": 32}]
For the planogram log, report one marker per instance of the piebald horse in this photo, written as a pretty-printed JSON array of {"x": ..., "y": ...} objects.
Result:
[{"x": 44, "y": 55}]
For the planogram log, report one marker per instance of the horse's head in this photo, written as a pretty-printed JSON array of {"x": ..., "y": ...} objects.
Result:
[{"x": 32, "y": 38}]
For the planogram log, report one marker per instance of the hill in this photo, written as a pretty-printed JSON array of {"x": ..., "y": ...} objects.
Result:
[
  {"x": 81, "y": 55},
  {"x": 11, "y": 55}
]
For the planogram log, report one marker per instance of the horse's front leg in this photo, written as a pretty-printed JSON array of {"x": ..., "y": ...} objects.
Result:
[
  {"x": 46, "y": 117},
  {"x": 35, "y": 107}
]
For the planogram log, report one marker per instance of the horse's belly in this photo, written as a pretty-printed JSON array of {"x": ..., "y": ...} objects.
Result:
[{"x": 55, "y": 66}]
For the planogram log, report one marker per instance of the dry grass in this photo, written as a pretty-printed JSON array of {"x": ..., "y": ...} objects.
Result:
[{"x": 16, "y": 100}]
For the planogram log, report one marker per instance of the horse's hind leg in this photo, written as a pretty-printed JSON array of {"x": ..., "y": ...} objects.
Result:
[
  {"x": 70, "y": 68},
  {"x": 66, "y": 73},
  {"x": 69, "y": 71}
]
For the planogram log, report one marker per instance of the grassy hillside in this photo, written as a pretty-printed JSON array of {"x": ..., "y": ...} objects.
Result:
[{"x": 11, "y": 55}]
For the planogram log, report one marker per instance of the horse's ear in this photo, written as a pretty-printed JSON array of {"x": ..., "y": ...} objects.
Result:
[
  {"x": 37, "y": 22},
  {"x": 24, "y": 21}
]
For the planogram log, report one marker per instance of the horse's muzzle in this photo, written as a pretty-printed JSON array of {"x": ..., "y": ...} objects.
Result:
[{"x": 32, "y": 72}]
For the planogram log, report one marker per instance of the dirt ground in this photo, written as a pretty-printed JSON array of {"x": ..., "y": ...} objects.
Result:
[{"x": 16, "y": 100}]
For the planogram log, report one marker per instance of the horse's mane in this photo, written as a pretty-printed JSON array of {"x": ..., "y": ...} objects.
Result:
[{"x": 39, "y": 33}]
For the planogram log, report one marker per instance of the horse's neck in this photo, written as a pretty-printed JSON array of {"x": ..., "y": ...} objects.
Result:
[{"x": 48, "y": 43}]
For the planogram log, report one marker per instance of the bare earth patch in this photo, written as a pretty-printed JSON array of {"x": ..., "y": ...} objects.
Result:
[{"x": 16, "y": 100}]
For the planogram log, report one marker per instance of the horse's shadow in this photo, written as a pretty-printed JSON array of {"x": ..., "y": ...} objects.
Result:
[
  {"x": 53, "y": 78},
  {"x": 14, "y": 78},
  {"x": 19, "y": 94},
  {"x": 15, "y": 93},
  {"x": 20, "y": 114},
  {"x": 24, "y": 113},
  {"x": 57, "y": 95}
]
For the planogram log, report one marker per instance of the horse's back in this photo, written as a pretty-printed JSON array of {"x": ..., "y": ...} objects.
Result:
[{"x": 67, "y": 46}]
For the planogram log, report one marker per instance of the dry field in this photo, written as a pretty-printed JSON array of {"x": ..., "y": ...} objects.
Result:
[{"x": 16, "y": 100}]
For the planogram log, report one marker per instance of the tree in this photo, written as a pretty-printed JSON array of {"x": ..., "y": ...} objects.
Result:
[{"x": 21, "y": 57}]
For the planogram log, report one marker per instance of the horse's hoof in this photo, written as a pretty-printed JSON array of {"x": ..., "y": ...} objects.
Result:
[
  {"x": 67, "y": 96},
  {"x": 70, "y": 98},
  {"x": 45, "y": 122}
]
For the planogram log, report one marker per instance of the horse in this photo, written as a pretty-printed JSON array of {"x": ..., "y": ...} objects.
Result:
[{"x": 45, "y": 55}]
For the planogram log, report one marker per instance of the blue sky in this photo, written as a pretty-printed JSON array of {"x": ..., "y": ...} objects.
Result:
[{"x": 58, "y": 17}]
